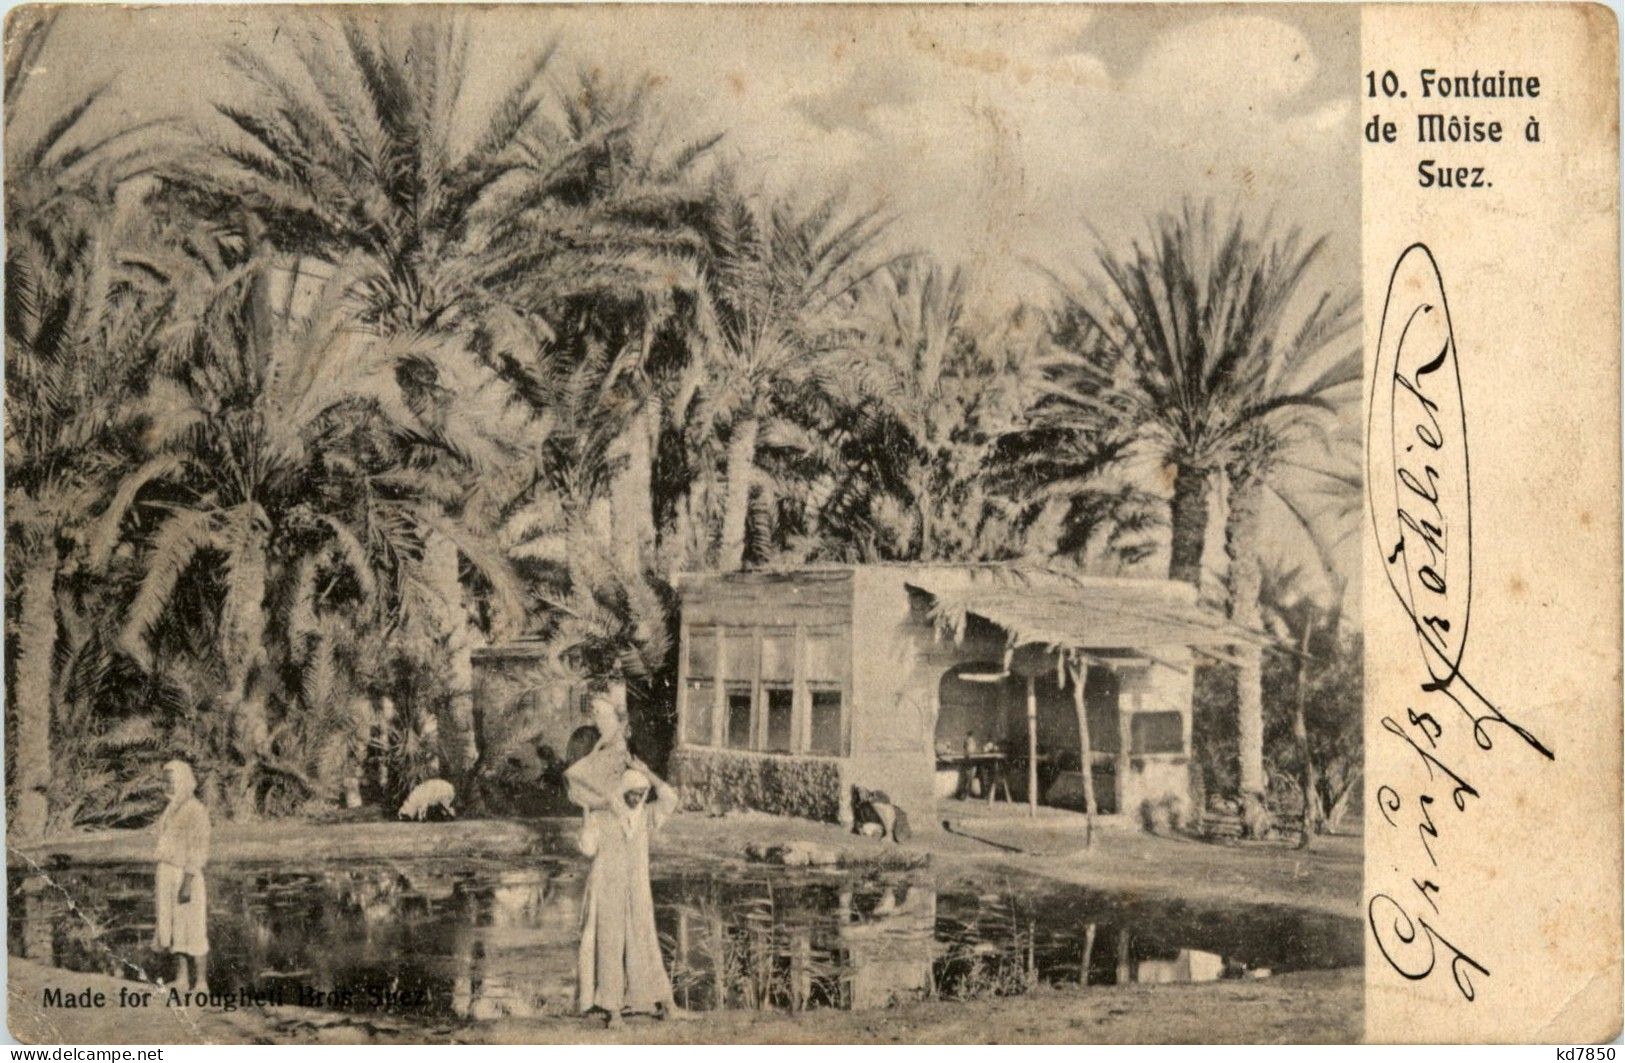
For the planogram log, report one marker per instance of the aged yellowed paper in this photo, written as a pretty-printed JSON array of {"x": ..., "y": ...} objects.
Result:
[
  {"x": 776, "y": 523},
  {"x": 1492, "y": 340}
]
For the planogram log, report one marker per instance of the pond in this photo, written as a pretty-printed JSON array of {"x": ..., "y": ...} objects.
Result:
[{"x": 480, "y": 939}]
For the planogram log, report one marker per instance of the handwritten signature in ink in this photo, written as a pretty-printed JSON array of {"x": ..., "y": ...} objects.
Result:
[{"x": 1419, "y": 482}]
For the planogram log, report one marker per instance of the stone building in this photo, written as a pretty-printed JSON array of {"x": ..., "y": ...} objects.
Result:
[{"x": 796, "y": 685}]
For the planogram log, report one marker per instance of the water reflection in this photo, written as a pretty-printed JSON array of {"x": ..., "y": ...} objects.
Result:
[
  {"x": 485, "y": 940},
  {"x": 891, "y": 953},
  {"x": 508, "y": 959}
]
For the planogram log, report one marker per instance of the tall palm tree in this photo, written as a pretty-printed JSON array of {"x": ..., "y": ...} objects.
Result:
[
  {"x": 1062, "y": 463},
  {"x": 1277, "y": 463},
  {"x": 1324, "y": 500},
  {"x": 927, "y": 402},
  {"x": 65, "y": 336},
  {"x": 604, "y": 250},
  {"x": 1226, "y": 361},
  {"x": 1213, "y": 340},
  {"x": 74, "y": 335},
  {"x": 357, "y": 160},
  {"x": 490, "y": 245},
  {"x": 252, "y": 421},
  {"x": 913, "y": 334},
  {"x": 780, "y": 284}
]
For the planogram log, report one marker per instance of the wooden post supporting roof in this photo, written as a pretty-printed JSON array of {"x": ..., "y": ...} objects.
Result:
[
  {"x": 1086, "y": 753},
  {"x": 1032, "y": 748}
]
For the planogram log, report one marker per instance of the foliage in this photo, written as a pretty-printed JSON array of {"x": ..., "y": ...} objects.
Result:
[
  {"x": 1334, "y": 711},
  {"x": 307, "y": 403},
  {"x": 790, "y": 786}
]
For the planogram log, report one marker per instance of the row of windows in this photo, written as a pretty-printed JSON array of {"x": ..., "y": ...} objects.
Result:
[{"x": 770, "y": 689}]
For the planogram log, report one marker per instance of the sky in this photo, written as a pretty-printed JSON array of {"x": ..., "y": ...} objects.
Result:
[
  {"x": 1001, "y": 137},
  {"x": 1005, "y": 139}
]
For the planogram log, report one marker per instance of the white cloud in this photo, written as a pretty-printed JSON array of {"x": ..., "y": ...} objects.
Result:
[{"x": 996, "y": 144}]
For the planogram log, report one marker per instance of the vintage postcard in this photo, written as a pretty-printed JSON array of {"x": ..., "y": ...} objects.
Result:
[{"x": 1077, "y": 523}]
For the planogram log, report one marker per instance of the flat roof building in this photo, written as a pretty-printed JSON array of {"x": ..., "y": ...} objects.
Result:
[{"x": 796, "y": 685}]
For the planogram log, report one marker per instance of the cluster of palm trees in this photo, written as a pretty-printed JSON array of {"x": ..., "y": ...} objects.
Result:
[{"x": 307, "y": 402}]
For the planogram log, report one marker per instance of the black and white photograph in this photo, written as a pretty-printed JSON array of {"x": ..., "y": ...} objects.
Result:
[{"x": 738, "y": 524}]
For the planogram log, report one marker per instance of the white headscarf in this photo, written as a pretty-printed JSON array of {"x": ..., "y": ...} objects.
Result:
[{"x": 185, "y": 783}]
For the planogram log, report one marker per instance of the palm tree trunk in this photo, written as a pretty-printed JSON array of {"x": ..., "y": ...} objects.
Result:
[
  {"x": 1332, "y": 815},
  {"x": 632, "y": 489},
  {"x": 36, "y": 646},
  {"x": 736, "y": 502},
  {"x": 1187, "y": 517},
  {"x": 928, "y": 533},
  {"x": 1241, "y": 543},
  {"x": 1300, "y": 734},
  {"x": 242, "y": 638},
  {"x": 442, "y": 564}
]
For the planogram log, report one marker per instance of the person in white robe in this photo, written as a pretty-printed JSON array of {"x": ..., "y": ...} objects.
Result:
[{"x": 182, "y": 895}]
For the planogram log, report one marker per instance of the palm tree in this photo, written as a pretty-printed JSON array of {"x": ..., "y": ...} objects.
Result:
[
  {"x": 1213, "y": 341},
  {"x": 65, "y": 380},
  {"x": 1062, "y": 462},
  {"x": 357, "y": 161},
  {"x": 493, "y": 247},
  {"x": 1324, "y": 500},
  {"x": 1275, "y": 463},
  {"x": 604, "y": 250},
  {"x": 1225, "y": 365},
  {"x": 252, "y": 424},
  {"x": 780, "y": 284},
  {"x": 914, "y": 340},
  {"x": 74, "y": 335}
]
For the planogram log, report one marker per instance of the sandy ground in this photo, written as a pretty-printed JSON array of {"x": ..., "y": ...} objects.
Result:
[
  {"x": 1008, "y": 849},
  {"x": 1316, "y": 1007}
]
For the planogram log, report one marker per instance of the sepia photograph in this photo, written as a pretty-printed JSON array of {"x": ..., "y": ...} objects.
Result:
[{"x": 680, "y": 523}]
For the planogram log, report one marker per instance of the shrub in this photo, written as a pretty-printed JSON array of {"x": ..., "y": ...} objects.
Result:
[{"x": 785, "y": 786}]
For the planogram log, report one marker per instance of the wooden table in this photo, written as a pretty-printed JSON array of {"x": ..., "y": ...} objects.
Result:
[{"x": 988, "y": 768}]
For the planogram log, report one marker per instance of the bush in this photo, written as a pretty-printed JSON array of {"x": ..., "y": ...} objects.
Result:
[{"x": 785, "y": 786}]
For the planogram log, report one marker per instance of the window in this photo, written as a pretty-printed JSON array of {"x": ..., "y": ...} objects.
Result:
[
  {"x": 739, "y": 656},
  {"x": 778, "y": 656},
  {"x": 700, "y": 702},
  {"x": 702, "y": 652},
  {"x": 739, "y": 685},
  {"x": 739, "y": 703},
  {"x": 825, "y": 657},
  {"x": 1157, "y": 732},
  {"x": 778, "y": 690},
  {"x": 702, "y": 699},
  {"x": 779, "y": 719},
  {"x": 826, "y": 723},
  {"x": 826, "y": 675}
]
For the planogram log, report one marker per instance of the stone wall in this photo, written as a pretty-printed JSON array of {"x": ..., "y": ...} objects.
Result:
[
  {"x": 1164, "y": 687},
  {"x": 521, "y": 702}
]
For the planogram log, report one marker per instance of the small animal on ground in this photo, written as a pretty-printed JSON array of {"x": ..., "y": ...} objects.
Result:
[
  {"x": 431, "y": 793},
  {"x": 874, "y": 808}
]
